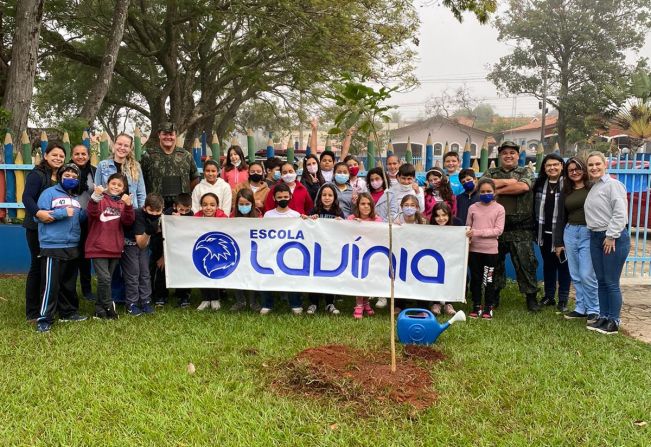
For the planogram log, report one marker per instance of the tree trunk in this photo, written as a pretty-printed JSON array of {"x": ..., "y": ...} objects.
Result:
[
  {"x": 20, "y": 80},
  {"x": 103, "y": 81}
]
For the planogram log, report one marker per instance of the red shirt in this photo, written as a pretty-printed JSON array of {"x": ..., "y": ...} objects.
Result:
[
  {"x": 106, "y": 222},
  {"x": 376, "y": 195},
  {"x": 218, "y": 213},
  {"x": 300, "y": 202}
]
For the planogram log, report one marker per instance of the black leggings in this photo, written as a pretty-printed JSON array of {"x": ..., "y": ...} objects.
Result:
[{"x": 482, "y": 270}]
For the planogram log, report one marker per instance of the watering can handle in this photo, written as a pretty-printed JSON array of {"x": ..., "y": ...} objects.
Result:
[{"x": 407, "y": 313}]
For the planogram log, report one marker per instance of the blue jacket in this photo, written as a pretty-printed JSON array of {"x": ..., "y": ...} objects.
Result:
[
  {"x": 65, "y": 231},
  {"x": 106, "y": 168}
]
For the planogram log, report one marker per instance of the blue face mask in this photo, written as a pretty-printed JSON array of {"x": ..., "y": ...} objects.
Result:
[
  {"x": 340, "y": 179},
  {"x": 69, "y": 183},
  {"x": 487, "y": 198},
  {"x": 277, "y": 175},
  {"x": 469, "y": 186},
  {"x": 244, "y": 209}
]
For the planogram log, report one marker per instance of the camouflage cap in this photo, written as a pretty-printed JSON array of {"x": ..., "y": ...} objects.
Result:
[
  {"x": 508, "y": 145},
  {"x": 166, "y": 126}
]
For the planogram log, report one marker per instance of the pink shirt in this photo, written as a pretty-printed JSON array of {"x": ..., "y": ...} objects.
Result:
[
  {"x": 487, "y": 224},
  {"x": 235, "y": 176}
]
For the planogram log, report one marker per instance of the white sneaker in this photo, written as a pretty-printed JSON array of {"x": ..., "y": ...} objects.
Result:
[
  {"x": 215, "y": 304},
  {"x": 204, "y": 305},
  {"x": 297, "y": 310},
  {"x": 381, "y": 303},
  {"x": 332, "y": 309},
  {"x": 311, "y": 309},
  {"x": 265, "y": 311}
]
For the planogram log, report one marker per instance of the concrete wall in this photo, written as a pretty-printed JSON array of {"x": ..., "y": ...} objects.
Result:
[{"x": 441, "y": 133}]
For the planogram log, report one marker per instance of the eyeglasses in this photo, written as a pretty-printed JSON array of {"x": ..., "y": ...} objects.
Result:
[{"x": 575, "y": 171}]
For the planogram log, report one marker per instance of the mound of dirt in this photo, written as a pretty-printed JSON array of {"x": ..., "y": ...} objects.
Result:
[{"x": 356, "y": 377}]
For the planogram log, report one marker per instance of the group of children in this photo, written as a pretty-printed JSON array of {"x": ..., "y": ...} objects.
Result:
[{"x": 327, "y": 189}]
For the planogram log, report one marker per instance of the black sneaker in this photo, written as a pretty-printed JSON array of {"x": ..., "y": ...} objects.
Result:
[
  {"x": 160, "y": 302},
  {"x": 592, "y": 318},
  {"x": 43, "y": 326},
  {"x": 90, "y": 296},
  {"x": 574, "y": 315},
  {"x": 561, "y": 307},
  {"x": 111, "y": 314},
  {"x": 99, "y": 315},
  {"x": 610, "y": 328},
  {"x": 185, "y": 302},
  {"x": 74, "y": 318},
  {"x": 548, "y": 301},
  {"x": 601, "y": 321}
]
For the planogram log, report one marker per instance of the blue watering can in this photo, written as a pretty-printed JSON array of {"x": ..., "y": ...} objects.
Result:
[{"x": 420, "y": 326}]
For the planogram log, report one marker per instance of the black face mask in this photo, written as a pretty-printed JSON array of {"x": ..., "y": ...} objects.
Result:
[
  {"x": 255, "y": 178},
  {"x": 282, "y": 203},
  {"x": 151, "y": 217}
]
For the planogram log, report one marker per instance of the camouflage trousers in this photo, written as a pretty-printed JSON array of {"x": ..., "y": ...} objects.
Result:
[{"x": 519, "y": 244}]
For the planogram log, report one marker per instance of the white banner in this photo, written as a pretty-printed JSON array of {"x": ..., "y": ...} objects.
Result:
[{"x": 322, "y": 256}]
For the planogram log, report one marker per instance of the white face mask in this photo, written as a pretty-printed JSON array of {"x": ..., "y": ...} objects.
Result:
[
  {"x": 408, "y": 210},
  {"x": 376, "y": 184},
  {"x": 289, "y": 178},
  {"x": 312, "y": 169},
  {"x": 405, "y": 187},
  {"x": 237, "y": 163}
]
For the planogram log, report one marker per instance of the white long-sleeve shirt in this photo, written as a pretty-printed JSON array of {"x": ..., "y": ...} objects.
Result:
[
  {"x": 606, "y": 208},
  {"x": 399, "y": 191},
  {"x": 221, "y": 189}
]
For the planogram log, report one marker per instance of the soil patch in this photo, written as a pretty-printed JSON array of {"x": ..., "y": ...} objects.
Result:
[{"x": 359, "y": 378}]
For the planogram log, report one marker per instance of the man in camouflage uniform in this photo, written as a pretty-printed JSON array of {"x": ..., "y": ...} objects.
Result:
[
  {"x": 168, "y": 170},
  {"x": 514, "y": 193}
]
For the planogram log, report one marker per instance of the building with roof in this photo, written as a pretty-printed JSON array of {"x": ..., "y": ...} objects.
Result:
[
  {"x": 528, "y": 135},
  {"x": 443, "y": 131}
]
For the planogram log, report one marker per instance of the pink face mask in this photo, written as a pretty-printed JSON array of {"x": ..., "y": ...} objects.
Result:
[
  {"x": 312, "y": 169},
  {"x": 376, "y": 184}
]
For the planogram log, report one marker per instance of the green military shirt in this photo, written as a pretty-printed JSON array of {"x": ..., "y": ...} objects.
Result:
[
  {"x": 518, "y": 208},
  {"x": 168, "y": 174}
]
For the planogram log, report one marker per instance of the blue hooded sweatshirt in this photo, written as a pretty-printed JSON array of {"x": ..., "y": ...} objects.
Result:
[{"x": 65, "y": 231}]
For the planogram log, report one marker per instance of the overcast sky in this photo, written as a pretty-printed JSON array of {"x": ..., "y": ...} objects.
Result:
[{"x": 452, "y": 54}]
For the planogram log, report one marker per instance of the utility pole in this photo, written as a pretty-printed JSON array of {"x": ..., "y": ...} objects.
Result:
[{"x": 544, "y": 104}]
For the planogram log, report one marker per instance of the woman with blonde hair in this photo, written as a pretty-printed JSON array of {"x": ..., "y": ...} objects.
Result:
[{"x": 123, "y": 161}]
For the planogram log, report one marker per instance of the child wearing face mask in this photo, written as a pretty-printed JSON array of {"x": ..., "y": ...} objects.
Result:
[
  {"x": 358, "y": 183},
  {"x": 282, "y": 196},
  {"x": 210, "y": 208},
  {"x": 312, "y": 178},
  {"x": 438, "y": 190},
  {"x": 255, "y": 184},
  {"x": 344, "y": 190},
  {"x": 272, "y": 166},
  {"x": 59, "y": 240},
  {"x": 245, "y": 207},
  {"x": 299, "y": 201},
  {"x": 235, "y": 168},
  {"x": 109, "y": 211},
  {"x": 364, "y": 212},
  {"x": 211, "y": 182},
  {"x": 486, "y": 222},
  {"x": 442, "y": 215},
  {"x": 407, "y": 185},
  {"x": 469, "y": 195},
  {"x": 326, "y": 163},
  {"x": 409, "y": 214}
]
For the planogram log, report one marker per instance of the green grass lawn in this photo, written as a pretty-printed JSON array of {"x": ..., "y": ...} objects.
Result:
[{"x": 520, "y": 379}]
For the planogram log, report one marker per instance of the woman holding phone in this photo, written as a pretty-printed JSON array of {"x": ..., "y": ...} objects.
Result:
[{"x": 547, "y": 191}]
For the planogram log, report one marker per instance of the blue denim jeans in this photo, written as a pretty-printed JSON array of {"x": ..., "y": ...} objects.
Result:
[
  {"x": 608, "y": 269},
  {"x": 577, "y": 250},
  {"x": 294, "y": 299}
]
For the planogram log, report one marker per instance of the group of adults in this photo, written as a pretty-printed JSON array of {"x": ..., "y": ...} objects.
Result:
[
  {"x": 574, "y": 210},
  {"x": 577, "y": 214}
]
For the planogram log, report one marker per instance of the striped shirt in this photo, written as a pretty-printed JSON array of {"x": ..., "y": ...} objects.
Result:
[{"x": 606, "y": 207}]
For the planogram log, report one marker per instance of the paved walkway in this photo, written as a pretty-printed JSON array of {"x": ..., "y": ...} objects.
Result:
[{"x": 636, "y": 310}]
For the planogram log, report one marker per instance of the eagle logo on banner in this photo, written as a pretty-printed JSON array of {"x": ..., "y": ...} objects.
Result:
[{"x": 215, "y": 255}]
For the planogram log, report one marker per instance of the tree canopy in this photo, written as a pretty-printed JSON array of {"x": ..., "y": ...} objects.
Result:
[{"x": 578, "y": 44}]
